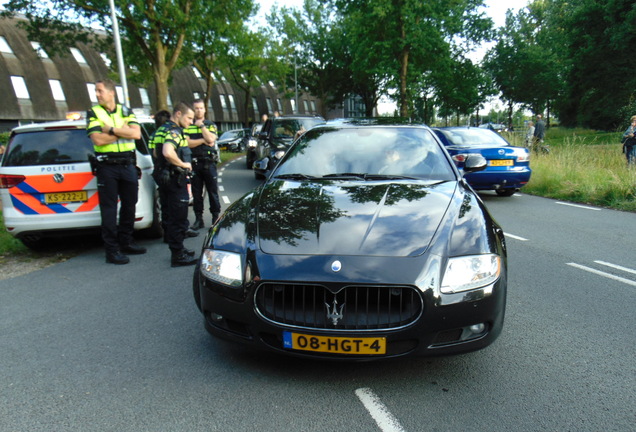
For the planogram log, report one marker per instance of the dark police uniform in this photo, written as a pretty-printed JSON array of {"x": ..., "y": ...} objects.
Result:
[
  {"x": 173, "y": 192},
  {"x": 204, "y": 160},
  {"x": 117, "y": 178}
]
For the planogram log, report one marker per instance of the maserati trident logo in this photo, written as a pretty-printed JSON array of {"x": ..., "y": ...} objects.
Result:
[
  {"x": 58, "y": 178},
  {"x": 334, "y": 313}
]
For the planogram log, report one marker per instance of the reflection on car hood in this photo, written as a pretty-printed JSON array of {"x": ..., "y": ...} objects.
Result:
[{"x": 350, "y": 218}]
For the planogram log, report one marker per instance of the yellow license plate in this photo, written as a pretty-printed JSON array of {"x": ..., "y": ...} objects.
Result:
[
  {"x": 335, "y": 344},
  {"x": 503, "y": 162},
  {"x": 65, "y": 197}
]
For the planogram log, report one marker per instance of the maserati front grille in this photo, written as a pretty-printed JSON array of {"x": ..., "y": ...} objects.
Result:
[{"x": 351, "y": 308}]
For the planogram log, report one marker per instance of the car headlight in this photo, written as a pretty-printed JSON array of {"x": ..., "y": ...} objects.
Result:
[
  {"x": 470, "y": 272},
  {"x": 222, "y": 267},
  {"x": 251, "y": 143}
]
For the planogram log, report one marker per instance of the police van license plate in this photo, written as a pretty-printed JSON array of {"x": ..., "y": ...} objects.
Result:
[
  {"x": 60, "y": 197},
  {"x": 335, "y": 344}
]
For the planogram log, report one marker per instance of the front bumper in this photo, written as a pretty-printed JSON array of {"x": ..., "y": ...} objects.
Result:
[{"x": 465, "y": 323}]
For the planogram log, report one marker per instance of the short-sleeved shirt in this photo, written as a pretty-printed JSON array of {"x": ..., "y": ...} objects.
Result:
[
  {"x": 170, "y": 133},
  {"x": 98, "y": 116},
  {"x": 194, "y": 132}
]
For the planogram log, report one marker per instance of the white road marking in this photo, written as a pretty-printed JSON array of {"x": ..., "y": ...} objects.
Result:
[
  {"x": 221, "y": 189},
  {"x": 515, "y": 237},
  {"x": 617, "y": 267},
  {"x": 383, "y": 418},
  {"x": 600, "y": 273},
  {"x": 579, "y": 206},
  {"x": 226, "y": 200}
]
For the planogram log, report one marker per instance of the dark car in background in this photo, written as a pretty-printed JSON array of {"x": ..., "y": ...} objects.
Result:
[
  {"x": 233, "y": 140},
  {"x": 363, "y": 243},
  {"x": 497, "y": 127},
  {"x": 508, "y": 167},
  {"x": 276, "y": 136}
]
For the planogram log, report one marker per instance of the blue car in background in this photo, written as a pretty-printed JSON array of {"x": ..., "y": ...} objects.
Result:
[{"x": 508, "y": 166}]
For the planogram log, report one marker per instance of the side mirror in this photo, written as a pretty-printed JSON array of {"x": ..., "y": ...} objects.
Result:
[{"x": 475, "y": 162}]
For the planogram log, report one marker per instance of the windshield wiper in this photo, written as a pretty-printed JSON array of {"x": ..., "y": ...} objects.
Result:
[
  {"x": 295, "y": 176},
  {"x": 389, "y": 177},
  {"x": 365, "y": 176},
  {"x": 345, "y": 175}
]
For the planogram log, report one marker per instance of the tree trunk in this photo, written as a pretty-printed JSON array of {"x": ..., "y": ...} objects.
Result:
[
  {"x": 161, "y": 73},
  {"x": 404, "y": 67}
]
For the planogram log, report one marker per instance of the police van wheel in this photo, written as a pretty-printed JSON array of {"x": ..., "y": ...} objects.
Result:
[{"x": 35, "y": 242}]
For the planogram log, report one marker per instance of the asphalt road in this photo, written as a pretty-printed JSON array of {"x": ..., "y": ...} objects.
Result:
[{"x": 86, "y": 346}]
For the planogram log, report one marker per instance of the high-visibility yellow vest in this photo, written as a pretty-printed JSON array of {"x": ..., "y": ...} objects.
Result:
[{"x": 120, "y": 117}]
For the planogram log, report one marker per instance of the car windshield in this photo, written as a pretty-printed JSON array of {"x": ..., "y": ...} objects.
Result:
[
  {"x": 48, "y": 147},
  {"x": 366, "y": 152},
  {"x": 232, "y": 134},
  {"x": 474, "y": 137},
  {"x": 287, "y": 128}
]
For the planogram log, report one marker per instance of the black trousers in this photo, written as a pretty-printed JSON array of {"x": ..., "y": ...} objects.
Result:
[
  {"x": 117, "y": 182},
  {"x": 174, "y": 198},
  {"x": 205, "y": 174}
]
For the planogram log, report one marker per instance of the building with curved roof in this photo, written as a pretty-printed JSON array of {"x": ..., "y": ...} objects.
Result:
[{"x": 37, "y": 87}]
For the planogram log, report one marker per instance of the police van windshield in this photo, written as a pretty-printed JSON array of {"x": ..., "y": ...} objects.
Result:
[{"x": 48, "y": 147}]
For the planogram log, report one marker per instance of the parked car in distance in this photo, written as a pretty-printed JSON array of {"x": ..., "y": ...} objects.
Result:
[
  {"x": 233, "y": 140},
  {"x": 497, "y": 127},
  {"x": 508, "y": 167},
  {"x": 276, "y": 136},
  {"x": 48, "y": 189},
  {"x": 363, "y": 243}
]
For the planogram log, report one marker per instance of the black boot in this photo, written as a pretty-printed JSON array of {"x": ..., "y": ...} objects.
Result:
[
  {"x": 198, "y": 223},
  {"x": 182, "y": 258},
  {"x": 191, "y": 233},
  {"x": 133, "y": 249},
  {"x": 116, "y": 258}
]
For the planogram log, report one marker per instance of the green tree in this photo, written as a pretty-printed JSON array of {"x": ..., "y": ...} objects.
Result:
[
  {"x": 524, "y": 63},
  {"x": 243, "y": 57},
  {"x": 311, "y": 40},
  {"x": 154, "y": 32},
  {"x": 409, "y": 37},
  {"x": 596, "y": 40}
]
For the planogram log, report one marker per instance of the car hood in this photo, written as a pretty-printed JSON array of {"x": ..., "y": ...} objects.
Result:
[
  {"x": 221, "y": 141},
  {"x": 350, "y": 218}
]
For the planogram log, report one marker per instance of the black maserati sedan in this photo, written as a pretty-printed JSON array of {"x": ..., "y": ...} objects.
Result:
[{"x": 364, "y": 242}]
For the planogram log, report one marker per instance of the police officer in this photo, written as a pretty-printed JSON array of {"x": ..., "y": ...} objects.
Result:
[
  {"x": 170, "y": 173},
  {"x": 113, "y": 129},
  {"x": 202, "y": 135},
  {"x": 159, "y": 135}
]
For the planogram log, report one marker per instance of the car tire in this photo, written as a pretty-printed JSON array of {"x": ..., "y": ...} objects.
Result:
[
  {"x": 196, "y": 291},
  {"x": 506, "y": 192},
  {"x": 248, "y": 163},
  {"x": 156, "y": 229}
]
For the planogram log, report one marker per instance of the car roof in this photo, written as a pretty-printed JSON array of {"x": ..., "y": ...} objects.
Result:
[
  {"x": 376, "y": 121},
  {"x": 64, "y": 124}
]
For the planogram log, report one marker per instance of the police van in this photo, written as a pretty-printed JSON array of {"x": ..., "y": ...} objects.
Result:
[{"x": 48, "y": 189}]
